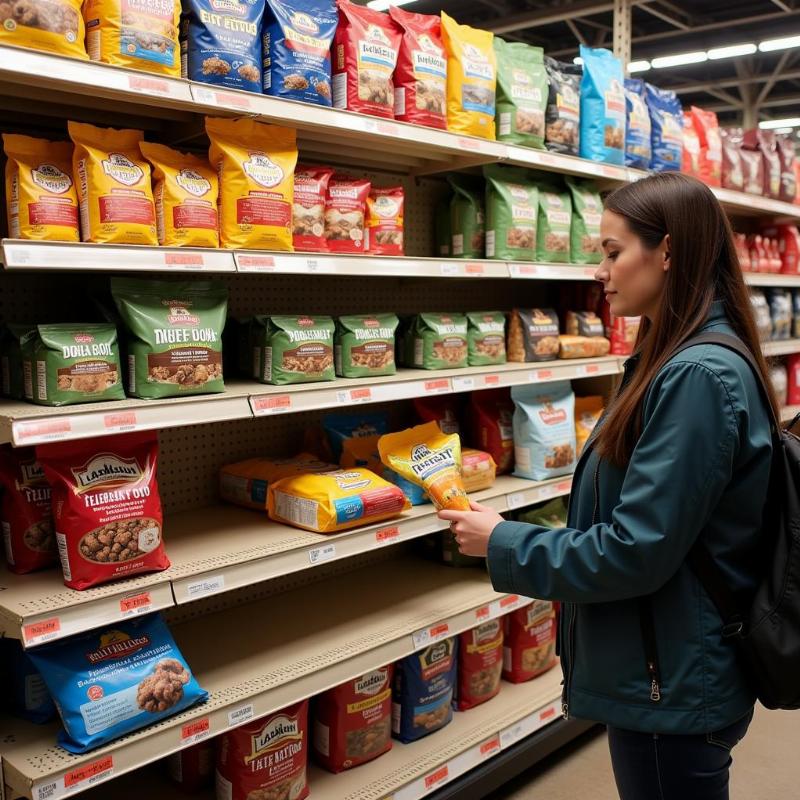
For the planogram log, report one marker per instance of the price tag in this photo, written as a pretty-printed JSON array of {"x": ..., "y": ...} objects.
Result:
[
  {"x": 205, "y": 587},
  {"x": 589, "y": 272},
  {"x": 39, "y": 632},
  {"x": 315, "y": 265},
  {"x": 137, "y": 83},
  {"x": 565, "y": 486},
  {"x": 463, "y": 384},
  {"x": 516, "y": 500},
  {"x": 117, "y": 423},
  {"x": 436, "y": 778},
  {"x": 50, "y": 431},
  {"x": 512, "y": 601},
  {"x": 549, "y": 713},
  {"x": 438, "y": 386},
  {"x": 320, "y": 554},
  {"x": 450, "y": 269},
  {"x": 589, "y": 369},
  {"x": 474, "y": 269},
  {"x": 184, "y": 260},
  {"x": 511, "y": 735},
  {"x": 232, "y": 100},
  {"x": 272, "y": 404},
  {"x": 470, "y": 144},
  {"x": 89, "y": 773},
  {"x": 256, "y": 263},
  {"x": 240, "y": 715},
  {"x": 363, "y": 395},
  {"x": 491, "y": 380},
  {"x": 490, "y": 747},
  {"x": 482, "y": 614},
  {"x": 135, "y": 604},
  {"x": 612, "y": 172},
  {"x": 546, "y": 158},
  {"x": 430, "y": 635},
  {"x": 541, "y": 375},
  {"x": 387, "y": 535},
  {"x": 196, "y": 731},
  {"x": 522, "y": 270}
]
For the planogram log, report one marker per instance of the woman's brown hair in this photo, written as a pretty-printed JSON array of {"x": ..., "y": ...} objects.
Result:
[{"x": 704, "y": 267}]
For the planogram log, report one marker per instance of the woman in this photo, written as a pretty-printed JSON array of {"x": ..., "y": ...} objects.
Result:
[{"x": 683, "y": 453}]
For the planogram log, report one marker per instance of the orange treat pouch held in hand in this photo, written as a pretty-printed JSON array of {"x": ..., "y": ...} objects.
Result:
[{"x": 429, "y": 458}]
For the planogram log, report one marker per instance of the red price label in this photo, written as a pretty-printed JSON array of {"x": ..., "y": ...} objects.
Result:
[
  {"x": 544, "y": 374},
  {"x": 469, "y": 144},
  {"x": 54, "y": 428},
  {"x": 440, "y": 775},
  {"x": 491, "y": 380},
  {"x": 135, "y": 602},
  {"x": 474, "y": 269},
  {"x": 140, "y": 84},
  {"x": 266, "y": 405},
  {"x": 482, "y": 613},
  {"x": 385, "y": 535},
  {"x": 88, "y": 771},
  {"x": 548, "y": 713},
  {"x": 527, "y": 269},
  {"x": 127, "y": 419},
  {"x": 36, "y": 632},
  {"x": 233, "y": 100},
  {"x": 492, "y": 746},
  {"x": 505, "y": 602},
  {"x": 439, "y": 630},
  {"x": 441, "y": 385},
  {"x": 564, "y": 486},
  {"x": 610, "y": 172},
  {"x": 184, "y": 259},
  {"x": 197, "y": 729},
  {"x": 257, "y": 261},
  {"x": 360, "y": 395}
]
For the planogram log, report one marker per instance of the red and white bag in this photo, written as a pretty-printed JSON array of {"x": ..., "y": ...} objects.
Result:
[
  {"x": 793, "y": 375},
  {"x": 192, "y": 769},
  {"x": 265, "y": 759},
  {"x": 25, "y": 514},
  {"x": 480, "y": 662},
  {"x": 764, "y": 142},
  {"x": 529, "y": 646},
  {"x": 308, "y": 208},
  {"x": 353, "y": 722},
  {"x": 365, "y": 55},
  {"x": 690, "y": 162},
  {"x": 707, "y": 129},
  {"x": 620, "y": 331},
  {"x": 752, "y": 171},
  {"x": 106, "y": 506},
  {"x": 490, "y": 415},
  {"x": 788, "y": 160},
  {"x": 420, "y": 80},
  {"x": 346, "y": 214},
  {"x": 385, "y": 221},
  {"x": 788, "y": 239},
  {"x": 732, "y": 175}
]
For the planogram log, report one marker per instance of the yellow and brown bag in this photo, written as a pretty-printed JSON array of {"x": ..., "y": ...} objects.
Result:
[{"x": 55, "y": 26}]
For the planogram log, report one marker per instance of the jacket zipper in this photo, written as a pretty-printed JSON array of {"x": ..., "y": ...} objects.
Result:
[{"x": 647, "y": 624}]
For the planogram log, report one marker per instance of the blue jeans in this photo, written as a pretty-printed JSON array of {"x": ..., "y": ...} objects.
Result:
[{"x": 653, "y": 766}]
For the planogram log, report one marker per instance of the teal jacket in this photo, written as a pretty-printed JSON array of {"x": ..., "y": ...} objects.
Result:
[{"x": 700, "y": 469}]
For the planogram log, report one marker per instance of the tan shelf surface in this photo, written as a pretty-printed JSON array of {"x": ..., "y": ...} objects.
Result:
[
  {"x": 788, "y": 413},
  {"x": 781, "y": 347},
  {"x": 261, "y": 657},
  {"x": 772, "y": 279}
]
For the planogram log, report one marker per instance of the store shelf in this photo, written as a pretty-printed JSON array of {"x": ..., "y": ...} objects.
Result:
[
  {"x": 753, "y": 205},
  {"x": 568, "y": 165},
  {"x": 261, "y": 657},
  {"x": 781, "y": 347},
  {"x": 768, "y": 279},
  {"x": 788, "y": 413},
  {"x": 553, "y": 272}
]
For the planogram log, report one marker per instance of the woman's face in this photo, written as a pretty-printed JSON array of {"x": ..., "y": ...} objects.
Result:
[{"x": 632, "y": 275}]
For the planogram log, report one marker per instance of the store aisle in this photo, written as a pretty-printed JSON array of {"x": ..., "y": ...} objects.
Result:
[{"x": 766, "y": 766}]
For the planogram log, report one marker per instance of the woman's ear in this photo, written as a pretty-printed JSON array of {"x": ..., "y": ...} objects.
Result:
[{"x": 667, "y": 251}]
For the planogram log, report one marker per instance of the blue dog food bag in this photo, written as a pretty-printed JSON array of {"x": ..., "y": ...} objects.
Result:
[
  {"x": 341, "y": 427},
  {"x": 25, "y": 694},
  {"x": 544, "y": 430},
  {"x": 422, "y": 693},
  {"x": 637, "y": 131},
  {"x": 113, "y": 681},
  {"x": 297, "y": 49},
  {"x": 602, "y": 107},
  {"x": 221, "y": 42},
  {"x": 666, "y": 117}
]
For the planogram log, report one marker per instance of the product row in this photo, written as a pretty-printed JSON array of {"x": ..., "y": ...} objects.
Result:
[
  {"x": 777, "y": 313},
  {"x": 776, "y": 249}
]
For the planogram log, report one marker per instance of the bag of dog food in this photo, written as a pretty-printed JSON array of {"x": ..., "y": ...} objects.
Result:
[
  {"x": 584, "y": 323},
  {"x": 588, "y": 411},
  {"x": 480, "y": 662},
  {"x": 440, "y": 341},
  {"x": 793, "y": 378},
  {"x": 55, "y": 26},
  {"x": 385, "y": 221},
  {"x": 116, "y": 200},
  {"x": 221, "y": 43},
  {"x": 25, "y": 515},
  {"x": 341, "y": 428},
  {"x": 444, "y": 410},
  {"x": 41, "y": 199},
  {"x": 552, "y": 514},
  {"x": 486, "y": 338},
  {"x": 621, "y": 332},
  {"x": 521, "y": 93},
  {"x": 529, "y": 641},
  {"x": 12, "y": 380},
  {"x": 267, "y": 758},
  {"x": 346, "y": 214},
  {"x": 707, "y": 127},
  {"x": 544, "y": 430},
  {"x": 362, "y": 452},
  {"x": 553, "y": 224},
  {"x": 107, "y": 508},
  {"x": 308, "y": 209},
  {"x": 490, "y": 416},
  {"x": 533, "y": 335},
  {"x": 24, "y": 692},
  {"x": 583, "y": 346},
  {"x": 422, "y": 692},
  {"x": 584, "y": 234},
  {"x": 512, "y": 204},
  {"x": 137, "y": 35},
  {"x": 788, "y": 159},
  {"x": 637, "y": 125},
  {"x": 255, "y": 163},
  {"x": 752, "y": 171},
  {"x": 690, "y": 159},
  {"x": 174, "y": 335},
  {"x": 420, "y": 80},
  {"x": 467, "y": 221},
  {"x": 416, "y": 495},
  {"x": 133, "y": 675},
  {"x": 365, "y": 54},
  {"x": 296, "y": 44},
  {"x": 780, "y": 382},
  {"x": 185, "y": 190},
  {"x": 478, "y": 470},
  {"x": 764, "y": 142},
  {"x": 562, "y": 119},
  {"x": 353, "y": 721},
  {"x": 72, "y": 363},
  {"x": 602, "y": 106},
  {"x": 763, "y": 318},
  {"x": 192, "y": 769},
  {"x": 666, "y": 117},
  {"x": 471, "y": 79},
  {"x": 780, "y": 311},
  {"x": 364, "y": 345},
  {"x": 294, "y": 349},
  {"x": 732, "y": 175}
]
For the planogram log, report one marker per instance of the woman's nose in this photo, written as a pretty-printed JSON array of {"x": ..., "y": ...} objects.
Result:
[{"x": 601, "y": 274}]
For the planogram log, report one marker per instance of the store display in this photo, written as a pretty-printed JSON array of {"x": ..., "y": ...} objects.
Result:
[
  {"x": 192, "y": 769},
  {"x": 478, "y": 470},
  {"x": 291, "y": 349},
  {"x": 186, "y": 191},
  {"x": 384, "y": 227},
  {"x": 471, "y": 78},
  {"x": 763, "y": 141},
  {"x": 553, "y": 224},
  {"x": 544, "y": 430},
  {"x": 297, "y": 39},
  {"x": 529, "y": 641},
  {"x": 467, "y": 220},
  {"x": 562, "y": 118},
  {"x": 422, "y": 690},
  {"x": 174, "y": 335},
  {"x": 353, "y": 721},
  {"x": 707, "y": 127},
  {"x": 221, "y": 44},
  {"x": 24, "y": 692},
  {"x": 732, "y": 170},
  {"x": 533, "y": 335},
  {"x": 440, "y": 341},
  {"x": 588, "y": 411},
  {"x": 753, "y": 171},
  {"x": 522, "y": 88},
  {"x": 70, "y": 363},
  {"x": 486, "y": 338},
  {"x": 637, "y": 125},
  {"x": 480, "y": 662},
  {"x": 602, "y": 106},
  {"x": 364, "y": 345},
  {"x": 584, "y": 234},
  {"x": 780, "y": 311},
  {"x": 690, "y": 163},
  {"x": 113, "y": 180},
  {"x": 444, "y": 410},
  {"x": 340, "y": 428},
  {"x": 761, "y": 311},
  {"x": 584, "y": 323},
  {"x": 490, "y": 416},
  {"x": 255, "y": 163},
  {"x": 134, "y": 35},
  {"x": 12, "y": 375},
  {"x": 788, "y": 159},
  {"x": 420, "y": 78},
  {"x": 666, "y": 119},
  {"x": 41, "y": 199},
  {"x": 54, "y": 26},
  {"x": 442, "y": 229},
  {"x": 583, "y": 346},
  {"x": 308, "y": 208},
  {"x": 346, "y": 213},
  {"x": 512, "y": 204}
]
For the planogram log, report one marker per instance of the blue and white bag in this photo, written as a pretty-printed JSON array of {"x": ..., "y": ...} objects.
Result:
[
  {"x": 638, "y": 129},
  {"x": 25, "y": 694},
  {"x": 666, "y": 117},
  {"x": 602, "y": 107}
]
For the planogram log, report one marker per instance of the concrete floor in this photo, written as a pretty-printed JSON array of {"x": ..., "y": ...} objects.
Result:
[{"x": 766, "y": 766}]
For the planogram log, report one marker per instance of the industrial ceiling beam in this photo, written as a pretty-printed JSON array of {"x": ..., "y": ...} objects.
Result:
[
  {"x": 775, "y": 102},
  {"x": 726, "y": 97},
  {"x": 537, "y": 19},
  {"x": 732, "y": 83},
  {"x": 622, "y": 31},
  {"x": 674, "y": 21},
  {"x": 576, "y": 32},
  {"x": 783, "y": 6}
]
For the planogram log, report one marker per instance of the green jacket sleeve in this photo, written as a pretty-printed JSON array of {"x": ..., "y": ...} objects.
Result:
[{"x": 681, "y": 465}]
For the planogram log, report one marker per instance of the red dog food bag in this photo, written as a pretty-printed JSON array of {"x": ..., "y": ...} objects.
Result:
[
  {"x": 266, "y": 759},
  {"x": 732, "y": 174},
  {"x": 707, "y": 128},
  {"x": 529, "y": 647},
  {"x": 346, "y": 214},
  {"x": 490, "y": 415},
  {"x": 420, "y": 80},
  {"x": 365, "y": 54},
  {"x": 308, "y": 208},
  {"x": 192, "y": 769},
  {"x": 793, "y": 370},
  {"x": 25, "y": 515},
  {"x": 106, "y": 506},
  {"x": 446, "y": 410},
  {"x": 788, "y": 160},
  {"x": 479, "y": 665},
  {"x": 764, "y": 142},
  {"x": 385, "y": 220},
  {"x": 690, "y": 163},
  {"x": 353, "y": 722},
  {"x": 752, "y": 171}
]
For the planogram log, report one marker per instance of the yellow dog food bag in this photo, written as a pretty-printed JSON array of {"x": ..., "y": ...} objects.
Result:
[
  {"x": 41, "y": 199},
  {"x": 334, "y": 501},
  {"x": 185, "y": 190},
  {"x": 116, "y": 200},
  {"x": 55, "y": 26},
  {"x": 140, "y": 34},
  {"x": 471, "y": 78},
  {"x": 255, "y": 163}
]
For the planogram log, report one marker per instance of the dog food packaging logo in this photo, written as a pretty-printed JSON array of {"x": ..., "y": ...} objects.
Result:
[
  {"x": 179, "y": 313},
  {"x": 193, "y": 182},
  {"x": 347, "y": 481},
  {"x": 121, "y": 169},
  {"x": 372, "y": 683},
  {"x": 263, "y": 170},
  {"x": 476, "y": 63},
  {"x": 551, "y": 415},
  {"x": 436, "y": 659},
  {"x": 50, "y": 178},
  {"x": 32, "y": 473},
  {"x": 304, "y": 23},
  {"x": 229, "y": 7},
  {"x": 279, "y": 731},
  {"x": 376, "y": 46},
  {"x": 115, "y": 645},
  {"x": 106, "y": 469}
]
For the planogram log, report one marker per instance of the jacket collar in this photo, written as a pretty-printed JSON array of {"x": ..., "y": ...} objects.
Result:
[{"x": 716, "y": 316}]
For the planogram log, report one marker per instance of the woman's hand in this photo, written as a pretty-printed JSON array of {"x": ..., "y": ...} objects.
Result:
[{"x": 472, "y": 529}]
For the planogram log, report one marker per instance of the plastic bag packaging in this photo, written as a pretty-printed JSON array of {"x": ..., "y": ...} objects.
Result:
[
  {"x": 25, "y": 694},
  {"x": 666, "y": 118},
  {"x": 54, "y": 26},
  {"x": 731, "y": 143},
  {"x": 562, "y": 119},
  {"x": 385, "y": 220},
  {"x": 588, "y": 411},
  {"x": 480, "y": 662},
  {"x": 512, "y": 203},
  {"x": 788, "y": 161},
  {"x": 752, "y": 171},
  {"x": 637, "y": 125},
  {"x": 522, "y": 89},
  {"x": 467, "y": 220},
  {"x": 340, "y": 428},
  {"x": 529, "y": 641},
  {"x": 707, "y": 127},
  {"x": 780, "y": 311},
  {"x": 308, "y": 208},
  {"x": 553, "y": 223},
  {"x": 690, "y": 158},
  {"x": 490, "y": 416},
  {"x": 764, "y": 141},
  {"x": 587, "y": 209},
  {"x": 602, "y": 107},
  {"x": 346, "y": 214}
]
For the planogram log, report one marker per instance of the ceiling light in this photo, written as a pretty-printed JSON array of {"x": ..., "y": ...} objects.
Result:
[
  {"x": 731, "y": 51},
  {"x": 638, "y": 66},
  {"x": 697, "y": 57},
  {"x": 783, "y": 130},
  {"x": 773, "y": 124},
  {"x": 779, "y": 44}
]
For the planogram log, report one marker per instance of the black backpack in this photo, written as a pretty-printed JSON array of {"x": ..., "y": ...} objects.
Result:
[{"x": 767, "y": 634}]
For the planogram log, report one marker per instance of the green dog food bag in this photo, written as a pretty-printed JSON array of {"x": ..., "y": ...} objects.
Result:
[
  {"x": 442, "y": 232},
  {"x": 467, "y": 223},
  {"x": 174, "y": 335},
  {"x": 486, "y": 338},
  {"x": 364, "y": 345},
  {"x": 11, "y": 375},
  {"x": 71, "y": 363},
  {"x": 554, "y": 223},
  {"x": 440, "y": 341},
  {"x": 511, "y": 213},
  {"x": 587, "y": 208},
  {"x": 293, "y": 349}
]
